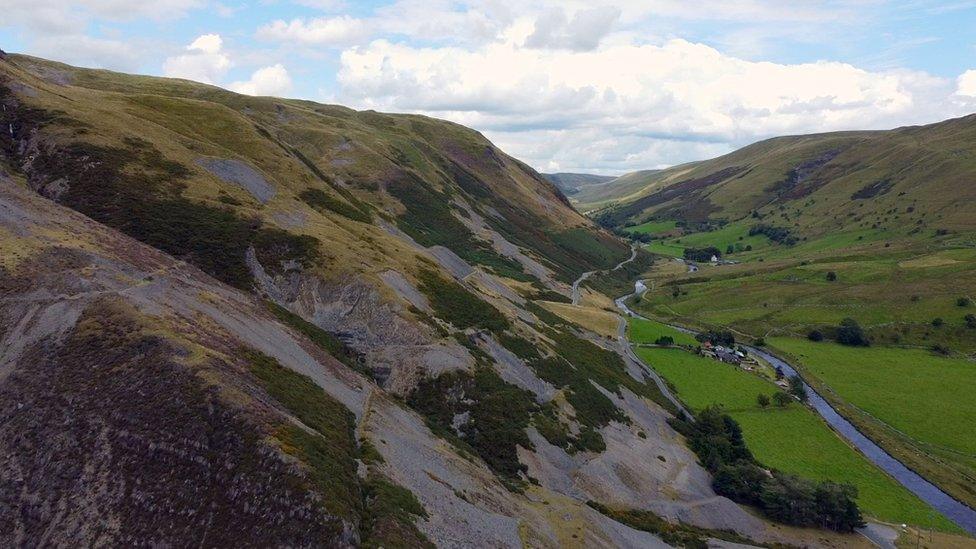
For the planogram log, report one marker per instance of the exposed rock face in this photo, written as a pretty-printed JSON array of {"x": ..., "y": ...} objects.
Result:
[
  {"x": 398, "y": 351},
  {"x": 240, "y": 174}
]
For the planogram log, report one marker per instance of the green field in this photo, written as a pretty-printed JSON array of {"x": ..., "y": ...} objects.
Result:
[
  {"x": 927, "y": 397},
  {"x": 653, "y": 227},
  {"x": 792, "y": 439},
  {"x": 640, "y": 330},
  {"x": 663, "y": 248}
]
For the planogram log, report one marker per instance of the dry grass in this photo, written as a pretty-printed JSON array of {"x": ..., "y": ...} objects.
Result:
[{"x": 596, "y": 320}]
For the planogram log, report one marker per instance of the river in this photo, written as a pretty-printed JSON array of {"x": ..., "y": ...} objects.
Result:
[{"x": 956, "y": 511}]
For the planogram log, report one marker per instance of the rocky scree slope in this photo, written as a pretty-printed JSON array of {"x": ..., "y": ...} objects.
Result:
[{"x": 219, "y": 339}]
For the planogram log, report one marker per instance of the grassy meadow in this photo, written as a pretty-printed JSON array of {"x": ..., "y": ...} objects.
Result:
[
  {"x": 792, "y": 439},
  {"x": 640, "y": 330}
]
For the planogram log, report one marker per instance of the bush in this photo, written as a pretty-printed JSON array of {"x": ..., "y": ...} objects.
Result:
[
  {"x": 702, "y": 254},
  {"x": 938, "y": 322},
  {"x": 940, "y": 349},
  {"x": 970, "y": 320},
  {"x": 664, "y": 340},
  {"x": 964, "y": 302},
  {"x": 782, "y": 399},
  {"x": 759, "y": 342},
  {"x": 776, "y": 234},
  {"x": 455, "y": 304},
  {"x": 797, "y": 388},
  {"x": 762, "y": 400},
  {"x": 724, "y": 338},
  {"x": 815, "y": 335},
  {"x": 831, "y": 276},
  {"x": 850, "y": 333},
  {"x": 498, "y": 413}
]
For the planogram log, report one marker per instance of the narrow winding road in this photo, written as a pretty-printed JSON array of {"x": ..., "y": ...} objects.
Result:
[{"x": 588, "y": 274}]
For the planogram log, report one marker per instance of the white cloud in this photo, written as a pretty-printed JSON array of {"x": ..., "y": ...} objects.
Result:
[
  {"x": 204, "y": 61},
  {"x": 583, "y": 32},
  {"x": 329, "y": 31},
  {"x": 273, "y": 80},
  {"x": 966, "y": 84},
  {"x": 87, "y": 51},
  {"x": 661, "y": 104},
  {"x": 49, "y": 15}
]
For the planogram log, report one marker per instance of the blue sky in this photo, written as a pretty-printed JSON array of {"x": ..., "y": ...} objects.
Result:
[{"x": 600, "y": 86}]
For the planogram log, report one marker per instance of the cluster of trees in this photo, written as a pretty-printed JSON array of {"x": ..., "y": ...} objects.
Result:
[
  {"x": 849, "y": 332},
  {"x": 702, "y": 254},
  {"x": 717, "y": 440},
  {"x": 776, "y": 234},
  {"x": 724, "y": 337}
]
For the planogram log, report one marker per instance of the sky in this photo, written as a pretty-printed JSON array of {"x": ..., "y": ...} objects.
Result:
[{"x": 581, "y": 86}]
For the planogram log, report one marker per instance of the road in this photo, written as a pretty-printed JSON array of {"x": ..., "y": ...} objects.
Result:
[{"x": 588, "y": 274}]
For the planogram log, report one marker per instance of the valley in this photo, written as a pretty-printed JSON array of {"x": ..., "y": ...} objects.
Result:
[
  {"x": 868, "y": 299},
  {"x": 382, "y": 329}
]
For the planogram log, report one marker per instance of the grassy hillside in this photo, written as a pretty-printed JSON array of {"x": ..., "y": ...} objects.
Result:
[
  {"x": 324, "y": 171},
  {"x": 573, "y": 183}
]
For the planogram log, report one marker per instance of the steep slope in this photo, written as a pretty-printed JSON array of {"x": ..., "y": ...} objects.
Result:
[{"x": 325, "y": 310}]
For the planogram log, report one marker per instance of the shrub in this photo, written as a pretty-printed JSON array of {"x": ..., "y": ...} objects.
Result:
[
  {"x": 759, "y": 342},
  {"x": 964, "y": 302},
  {"x": 797, "y": 388},
  {"x": 725, "y": 337},
  {"x": 815, "y": 335},
  {"x": 782, "y": 399},
  {"x": 320, "y": 201},
  {"x": 970, "y": 320},
  {"x": 664, "y": 340},
  {"x": 455, "y": 304},
  {"x": 702, "y": 254},
  {"x": 762, "y": 400},
  {"x": 498, "y": 413},
  {"x": 940, "y": 349},
  {"x": 937, "y": 322},
  {"x": 831, "y": 276},
  {"x": 781, "y": 235},
  {"x": 850, "y": 333}
]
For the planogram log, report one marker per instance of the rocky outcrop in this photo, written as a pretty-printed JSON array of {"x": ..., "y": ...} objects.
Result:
[{"x": 240, "y": 174}]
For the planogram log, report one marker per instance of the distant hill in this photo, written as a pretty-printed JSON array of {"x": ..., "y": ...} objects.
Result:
[
  {"x": 922, "y": 176},
  {"x": 572, "y": 183}
]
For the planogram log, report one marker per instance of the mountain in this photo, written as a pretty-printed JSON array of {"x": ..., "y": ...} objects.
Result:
[
  {"x": 617, "y": 189},
  {"x": 821, "y": 182},
  {"x": 572, "y": 183},
  {"x": 234, "y": 320}
]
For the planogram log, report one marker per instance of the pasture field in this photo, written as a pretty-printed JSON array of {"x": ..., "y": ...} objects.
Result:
[
  {"x": 640, "y": 330},
  {"x": 664, "y": 248},
  {"x": 653, "y": 227},
  {"x": 897, "y": 297},
  {"x": 926, "y": 396},
  {"x": 793, "y": 439}
]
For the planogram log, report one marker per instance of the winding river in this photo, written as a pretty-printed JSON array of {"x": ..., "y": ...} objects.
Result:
[{"x": 956, "y": 511}]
